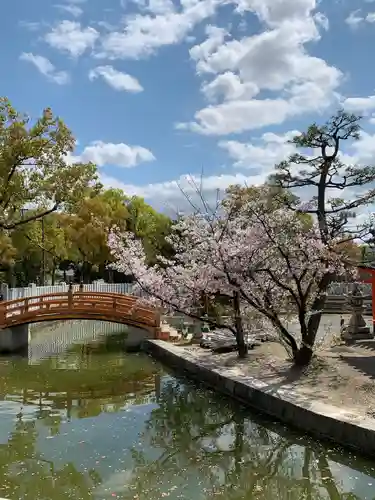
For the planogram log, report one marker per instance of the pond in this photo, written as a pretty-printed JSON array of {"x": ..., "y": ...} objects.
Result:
[{"x": 99, "y": 423}]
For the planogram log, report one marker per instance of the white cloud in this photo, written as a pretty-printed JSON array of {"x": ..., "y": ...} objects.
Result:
[
  {"x": 45, "y": 67},
  {"x": 363, "y": 149},
  {"x": 215, "y": 38},
  {"x": 356, "y": 18},
  {"x": 257, "y": 158},
  {"x": 229, "y": 86},
  {"x": 274, "y": 60},
  {"x": 275, "y": 12},
  {"x": 68, "y": 36},
  {"x": 238, "y": 116},
  {"x": 215, "y": 56},
  {"x": 360, "y": 104},
  {"x": 72, "y": 9},
  {"x": 144, "y": 34},
  {"x": 263, "y": 155},
  {"x": 31, "y": 25},
  {"x": 168, "y": 195},
  {"x": 116, "y": 79},
  {"x": 322, "y": 20},
  {"x": 121, "y": 155},
  {"x": 155, "y": 6}
]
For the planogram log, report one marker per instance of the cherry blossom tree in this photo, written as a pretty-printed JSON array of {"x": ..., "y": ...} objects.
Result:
[{"x": 264, "y": 260}]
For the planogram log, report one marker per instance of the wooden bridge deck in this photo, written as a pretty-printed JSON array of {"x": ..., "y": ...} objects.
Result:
[{"x": 115, "y": 307}]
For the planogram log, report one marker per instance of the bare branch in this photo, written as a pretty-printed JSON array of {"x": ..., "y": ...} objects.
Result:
[{"x": 34, "y": 217}]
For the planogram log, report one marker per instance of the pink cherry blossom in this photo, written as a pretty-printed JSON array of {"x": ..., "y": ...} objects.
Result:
[{"x": 278, "y": 266}]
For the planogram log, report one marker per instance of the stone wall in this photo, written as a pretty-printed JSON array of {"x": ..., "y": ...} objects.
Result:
[{"x": 14, "y": 339}]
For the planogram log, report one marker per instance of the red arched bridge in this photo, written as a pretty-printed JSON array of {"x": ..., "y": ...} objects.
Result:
[{"x": 114, "y": 307}]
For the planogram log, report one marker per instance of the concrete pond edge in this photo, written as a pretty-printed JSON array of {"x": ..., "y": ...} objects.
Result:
[{"x": 342, "y": 426}]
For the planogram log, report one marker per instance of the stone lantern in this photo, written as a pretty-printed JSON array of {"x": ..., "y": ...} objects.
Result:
[{"x": 357, "y": 328}]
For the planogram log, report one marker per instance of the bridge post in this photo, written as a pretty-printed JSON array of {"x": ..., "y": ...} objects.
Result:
[
  {"x": 157, "y": 331},
  {"x": 2, "y": 313},
  {"x": 4, "y": 291},
  {"x": 14, "y": 338},
  {"x": 70, "y": 296}
]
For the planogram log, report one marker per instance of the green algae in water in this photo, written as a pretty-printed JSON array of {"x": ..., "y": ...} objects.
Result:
[{"x": 99, "y": 423}]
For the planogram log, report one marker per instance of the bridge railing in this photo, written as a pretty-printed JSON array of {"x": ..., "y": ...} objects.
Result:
[
  {"x": 33, "y": 290},
  {"x": 84, "y": 304}
]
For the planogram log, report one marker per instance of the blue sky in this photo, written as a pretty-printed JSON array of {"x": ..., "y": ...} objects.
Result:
[{"x": 155, "y": 90}]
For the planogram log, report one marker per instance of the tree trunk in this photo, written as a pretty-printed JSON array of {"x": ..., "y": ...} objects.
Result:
[
  {"x": 89, "y": 271},
  {"x": 86, "y": 272},
  {"x": 322, "y": 186},
  {"x": 306, "y": 481},
  {"x": 242, "y": 347},
  {"x": 110, "y": 275},
  {"x": 239, "y": 432},
  {"x": 303, "y": 356},
  {"x": 157, "y": 381},
  {"x": 328, "y": 480},
  {"x": 53, "y": 274},
  {"x": 318, "y": 305},
  {"x": 240, "y": 337}
]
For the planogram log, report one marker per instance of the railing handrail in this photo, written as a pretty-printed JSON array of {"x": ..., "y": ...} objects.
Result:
[
  {"x": 120, "y": 296},
  {"x": 110, "y": 304}
]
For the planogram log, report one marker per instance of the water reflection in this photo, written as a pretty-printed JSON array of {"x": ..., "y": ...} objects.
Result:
[
  {"x": 235, "y": 457},
  {"x": 98, "y": 423}
]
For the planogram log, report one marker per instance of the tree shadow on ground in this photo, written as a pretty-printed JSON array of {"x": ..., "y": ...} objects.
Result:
[
  {"x": 359, "y": 359},
  {"x": 369, "y": 345},
  {"x": 280, "y": 377},
  {"x": 311, "y": 376},
  {"x": 364, "y": 364}
]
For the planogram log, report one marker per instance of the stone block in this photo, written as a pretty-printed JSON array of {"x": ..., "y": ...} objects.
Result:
[{"x": 14, "y": 339}]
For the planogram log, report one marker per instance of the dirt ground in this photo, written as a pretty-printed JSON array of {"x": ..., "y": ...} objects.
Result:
[{"x": 341, "y": 375}]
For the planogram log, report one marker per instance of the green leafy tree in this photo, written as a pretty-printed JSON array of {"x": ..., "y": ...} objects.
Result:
[
  {"x": 92, "y": 219},
  {"x": 45, "y": 241},
  {"x": 150, "y": 226},
  {"x": 7, "y": 250},
  {"x": 89, "y": 225},
  {"x": 237, "y": 196},
  {"x": 34, "y": 167}
]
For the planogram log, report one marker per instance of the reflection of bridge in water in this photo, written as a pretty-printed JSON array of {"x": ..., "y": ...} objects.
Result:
[
  {"x": 50, "y": 339},
  {"x": 78, "y": 403},
  {"x": 79, "y": 383}
]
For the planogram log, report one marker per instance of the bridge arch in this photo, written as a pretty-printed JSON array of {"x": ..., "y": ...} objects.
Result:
[{"x": 113, "y": 307}]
